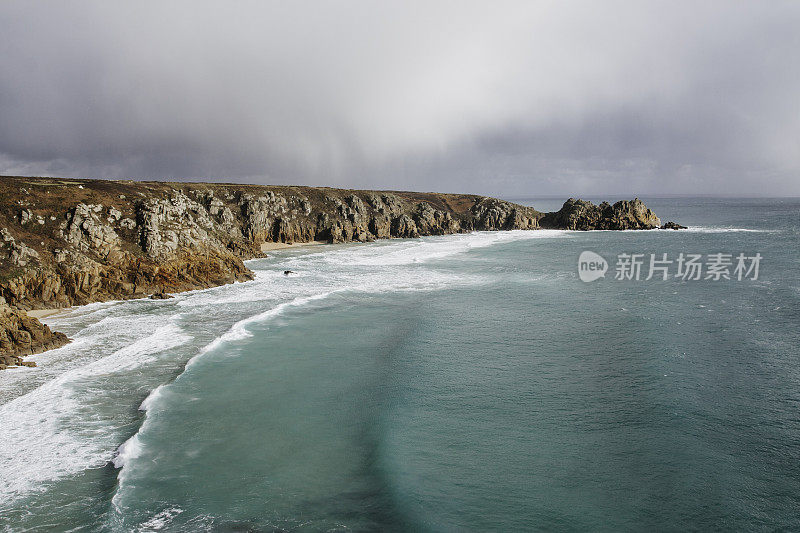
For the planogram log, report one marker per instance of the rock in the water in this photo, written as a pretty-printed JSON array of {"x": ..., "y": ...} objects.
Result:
[
  {"x": 584, "y": 215},
  {"x": 161, "y": 296},
  {"x": 672, "y": 225}
]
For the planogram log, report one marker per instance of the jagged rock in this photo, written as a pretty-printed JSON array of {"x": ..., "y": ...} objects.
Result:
[
  {"x": 165, "y": 225},
  {"x": 584, "y": 215},
  {"x": 19, "y": 253},
  {"x": 404, "y": 226},
  {"x": 127, "y": 223},
  {"x": 161, "y": 296},
  {"x": 673, "y": 225},
  {"x": 25, "y": 216},
  {"x": 22, "y": 254},
  {"x": 380, "y": 226},
  {"x": 337, "y": 233},
  {"x": 391, "y": 205},
  {"x": 21, "y": 335},
  {"x": 86, "y": 232},
  {"x": 261, "y": 214},
  {"x": 492, "y": 214},
  {"x": 432, "y": 221},
  {"x": 215, "y": 206},
  {"x": 357, "y": 204}
]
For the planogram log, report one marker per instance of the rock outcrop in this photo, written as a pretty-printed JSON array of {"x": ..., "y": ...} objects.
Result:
[
  {"x": 584, "y": 215},
  {"x": 673, "y": 225},
  {"x": 22, "y": 335},
  {"x": 71, "y": 242}
]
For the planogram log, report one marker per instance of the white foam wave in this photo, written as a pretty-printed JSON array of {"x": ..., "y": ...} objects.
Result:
[
  {"x": 160, "y": 520},
  {"x": 130, "y": 449},
  {"x": 723, "y": 229},
  {"x": 55, "y": 426},
  {"x": 239, "y": 330},
  {"x": 62, "y": 434},
  {"x": 432, "y": 248},
  {"x": 154, "y": 395}
]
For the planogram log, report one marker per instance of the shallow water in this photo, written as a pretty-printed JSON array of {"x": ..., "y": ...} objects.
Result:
[{"x": 467, "y": 382}]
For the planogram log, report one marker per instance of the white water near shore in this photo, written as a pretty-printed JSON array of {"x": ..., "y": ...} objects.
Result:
[{"x": 64, "y": 415}]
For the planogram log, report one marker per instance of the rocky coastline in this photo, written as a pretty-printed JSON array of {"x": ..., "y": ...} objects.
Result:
[{"x": 66, "y": 242}]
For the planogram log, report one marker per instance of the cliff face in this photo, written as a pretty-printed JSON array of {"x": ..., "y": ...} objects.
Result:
[
  {"x": 67, "y": 242},
  {"x": 71, "y": 242},
  {"x": 23, "y": 335}
]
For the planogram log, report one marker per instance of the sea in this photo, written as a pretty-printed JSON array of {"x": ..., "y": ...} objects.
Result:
[{"x": 470, "y": 382}]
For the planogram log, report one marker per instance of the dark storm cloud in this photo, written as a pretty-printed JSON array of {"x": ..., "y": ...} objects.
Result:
[{"x": 504, "y": 98}]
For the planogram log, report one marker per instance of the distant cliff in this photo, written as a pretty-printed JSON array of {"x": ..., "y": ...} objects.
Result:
[
  {"x": 583, "y": 215},
  {"x": 67, "y": 242}
]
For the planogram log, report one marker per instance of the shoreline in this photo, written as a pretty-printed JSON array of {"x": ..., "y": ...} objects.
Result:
[
  {"x": 39, "y": 314},
  {"x": 271, "y": 246}
]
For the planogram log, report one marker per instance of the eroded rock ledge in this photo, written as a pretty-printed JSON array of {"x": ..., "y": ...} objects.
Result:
[
  {"x": 22, "y": 335},
  {"x": 584, "y": 215},
  {"x": 67, "y": 242}
]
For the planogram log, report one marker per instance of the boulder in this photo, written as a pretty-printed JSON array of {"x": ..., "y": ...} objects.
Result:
[
  {"x": 161, "y": 296},
  {"x": 673, "y": 225}
]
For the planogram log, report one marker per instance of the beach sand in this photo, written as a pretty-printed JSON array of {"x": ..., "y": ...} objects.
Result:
[
  {"x": 268, "y": 246},
  {"x": 44, "y": 313}
]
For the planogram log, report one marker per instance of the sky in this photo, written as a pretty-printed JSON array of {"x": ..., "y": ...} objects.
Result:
[{"x": 529, "y": 98}]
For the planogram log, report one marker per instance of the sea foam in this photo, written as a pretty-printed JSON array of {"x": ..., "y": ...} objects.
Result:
[
  {"x": 61, "y": 433},
  {"x": 54, "y": 425}
]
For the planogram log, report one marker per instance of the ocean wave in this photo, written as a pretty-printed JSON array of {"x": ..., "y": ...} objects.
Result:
[
  {"x": 724, "y": 229},
  {"x": 239, "y": 330},
  {"x": 151, "y": 398},
  {"x": 387, "y": 253},
  {"x": 160, "y": 520},
  {"x": 59, "y": 433},
  {"x": 130, "y": 449},
  {"x": 63, "y": 440}
]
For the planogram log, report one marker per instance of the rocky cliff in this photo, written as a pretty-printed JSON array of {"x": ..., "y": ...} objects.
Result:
[
  {"x": 67, "y": 242},
  {"x": 21, "y": 335},
  {"x": 584, "y": 215}
]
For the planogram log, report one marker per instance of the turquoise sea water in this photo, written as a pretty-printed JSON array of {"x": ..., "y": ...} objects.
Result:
[{"x": 458, "y": 383}]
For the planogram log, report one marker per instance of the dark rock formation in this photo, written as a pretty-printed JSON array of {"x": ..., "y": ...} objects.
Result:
[
  {"x": 21, "y": 335},
  {"x": 161, "y": 296},
  {"x": 672, "y": 225},
  {"x": 584, "y": 215},
  {"x": 493, "y": 214}
]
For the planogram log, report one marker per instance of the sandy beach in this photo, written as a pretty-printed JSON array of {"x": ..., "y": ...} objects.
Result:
[
  {"x": 44, "y": 313},
  {"x": 269, "y": 246}
]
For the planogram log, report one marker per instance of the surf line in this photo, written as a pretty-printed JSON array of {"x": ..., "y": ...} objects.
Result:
[{"x": 132, "y": 447}]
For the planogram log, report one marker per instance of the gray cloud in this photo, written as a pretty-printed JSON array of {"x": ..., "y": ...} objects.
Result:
[{"x": 502, "y": 97}]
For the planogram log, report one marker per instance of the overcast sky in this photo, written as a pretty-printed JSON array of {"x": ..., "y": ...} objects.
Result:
[{"x": 507, "y": 98}]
